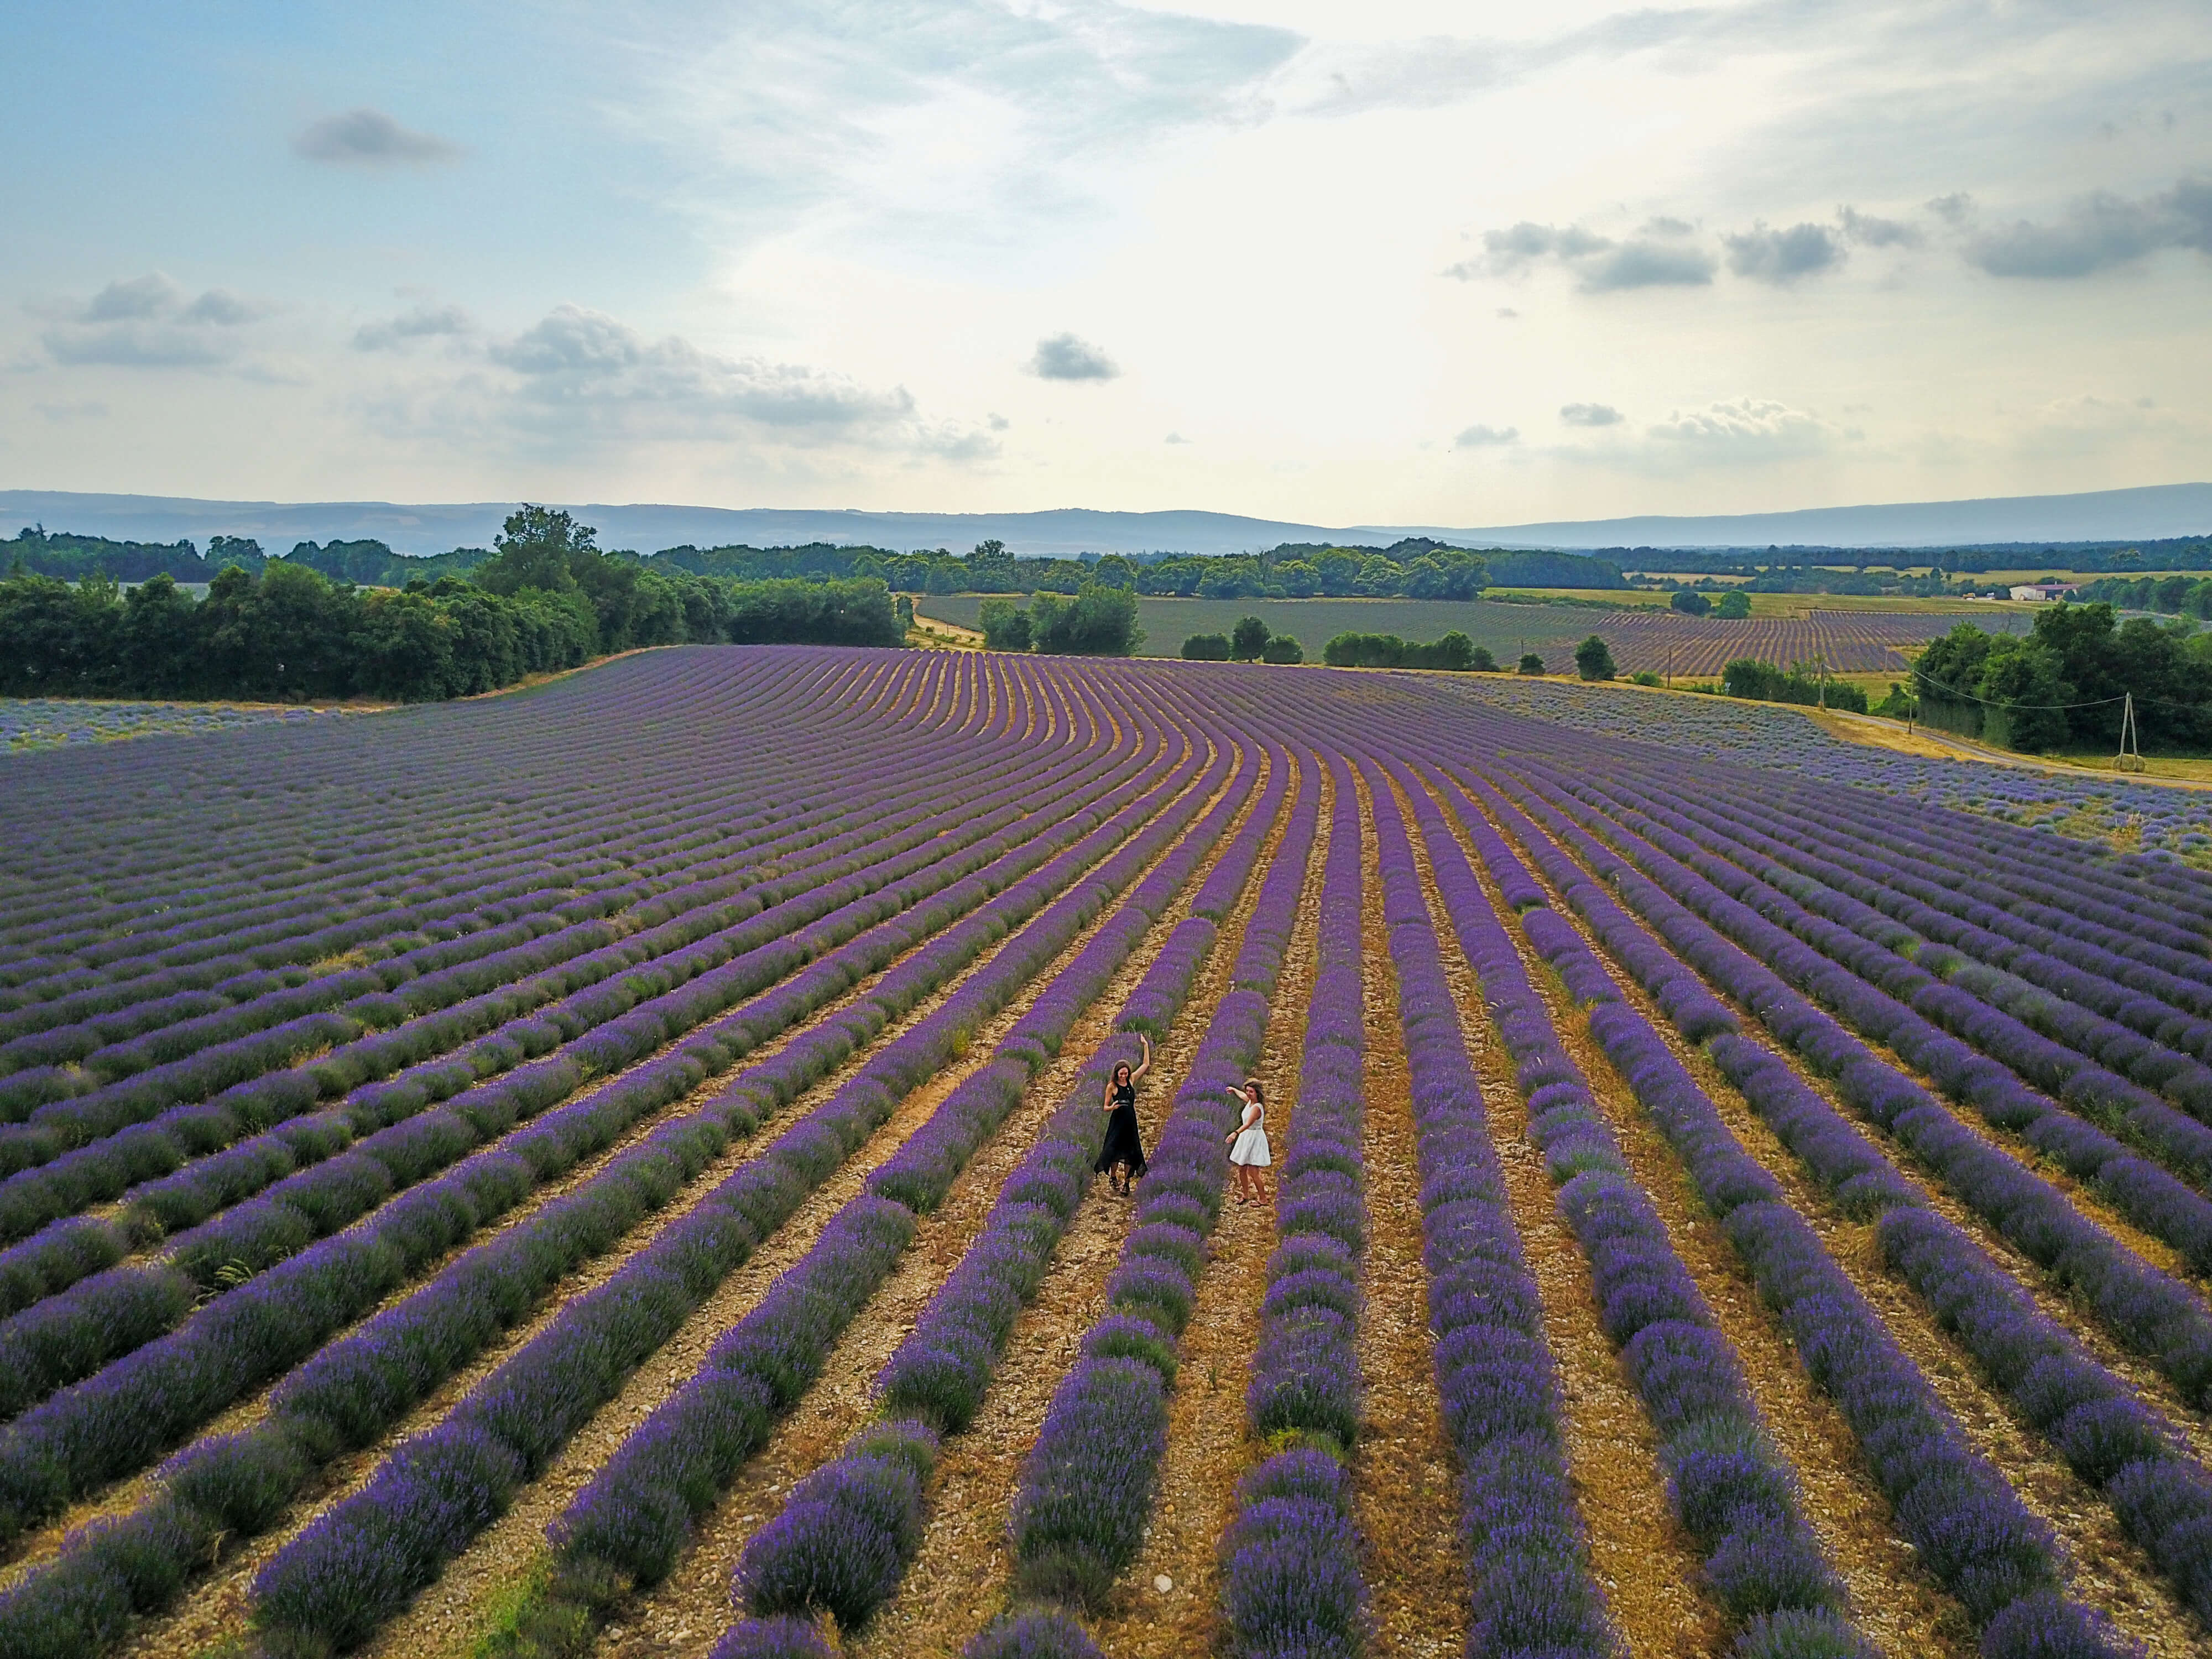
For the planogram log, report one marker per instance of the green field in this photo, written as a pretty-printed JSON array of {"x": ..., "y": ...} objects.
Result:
[{"x": 1168, "y": 622}]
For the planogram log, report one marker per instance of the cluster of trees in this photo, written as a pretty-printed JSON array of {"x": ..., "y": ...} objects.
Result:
[
  {"x": 1250, "y": 641},
  {"x": 2061, "y": 685},
  {"x": 2176, "y": 596},
  {"x": 1454, "y": 651},
  {"x": 1825, "y": 569},
  {"x": 1763, "y": 683},
  {"x": 1733, "y": 605},
  {"x": 545, "y": 599},
  {"x": 1098, "y": 622}
]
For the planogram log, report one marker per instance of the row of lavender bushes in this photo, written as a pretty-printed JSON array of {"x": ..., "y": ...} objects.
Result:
[
  {"x": 78, "y": 942},
  {"x": 68, "y": 1108},
  {"x": 1530, "y": 1586},
  {"x": 1084, "y": 1492},
  {"x": 1730, "y": 1484},
  {"x": 1970, "y": 1529},
  {"x": 2149, "y": 1311},
  {"x": 631, "y": 1522},
  {"x": 838, "y": 1547},
  {"x": 2162, "y": 1496},
  {"x": 116, "y": 1312},
  {"x": 152, "y": 1149},
  {"x": 1290, "y": 1576},
  {"x": 360, "y": 1562},
  {"x": 353, "y": 1390},
  {"x": 1901, "y": 987}
]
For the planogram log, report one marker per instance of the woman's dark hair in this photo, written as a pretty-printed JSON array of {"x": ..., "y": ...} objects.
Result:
[
  {"x": 1119, "y": 1071},
  {"x": 1258, "y": 1093}
]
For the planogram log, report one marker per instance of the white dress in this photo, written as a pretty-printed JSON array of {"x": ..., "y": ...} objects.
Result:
[{"x": 1251, "y": 1145}]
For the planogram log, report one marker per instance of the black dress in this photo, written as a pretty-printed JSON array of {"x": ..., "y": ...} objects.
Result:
[{"x": 1122, "y": 1143}]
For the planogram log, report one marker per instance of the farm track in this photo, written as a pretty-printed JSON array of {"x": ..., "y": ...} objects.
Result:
[
  {"x": 958, "y": 1581},
  {"x": 2109, "y": 1571},
  {"x": 218, "y": 1608},
  {"x": 695, "y": 1601}
]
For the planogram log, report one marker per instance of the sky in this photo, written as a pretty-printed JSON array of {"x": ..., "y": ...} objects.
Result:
[{"x": 1394, "y": 262}]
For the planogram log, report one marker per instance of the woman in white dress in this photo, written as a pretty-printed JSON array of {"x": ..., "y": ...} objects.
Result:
[{"x": 1248, "y": 1146}]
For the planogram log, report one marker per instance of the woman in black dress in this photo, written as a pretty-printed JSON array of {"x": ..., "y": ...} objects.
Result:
[{"x": 1123, "y": 1145}]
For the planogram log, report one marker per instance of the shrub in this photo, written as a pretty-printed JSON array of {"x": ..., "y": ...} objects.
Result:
[
  {"x": 1205, "y": 648},
  {"x": 1593, "y": 659},
  {"x": 1283, "y": 648}
]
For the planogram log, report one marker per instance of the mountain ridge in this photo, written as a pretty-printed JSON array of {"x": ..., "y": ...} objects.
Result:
[{"x": 2147, "y": 512}]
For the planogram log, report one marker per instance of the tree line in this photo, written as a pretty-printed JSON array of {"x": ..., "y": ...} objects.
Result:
[
  {"x": 1416, "y": 568},
  {"x": 545, "y": 599},
  {"x": 2061, "y": 686},
  {"x": 1099, "y": 621}
]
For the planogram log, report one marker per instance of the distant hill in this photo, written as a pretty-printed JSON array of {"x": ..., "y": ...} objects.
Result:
[{"x": 2164, "y": 510}]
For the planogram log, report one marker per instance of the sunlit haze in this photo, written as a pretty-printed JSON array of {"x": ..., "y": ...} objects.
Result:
[{"x": 1390, "y": 263}]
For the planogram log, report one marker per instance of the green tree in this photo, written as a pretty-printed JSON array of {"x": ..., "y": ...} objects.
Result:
[
  {"x": 1249, "y": 639},
  {"x": 1282, "y": 648},
  {"x": 1339, "y": 573},
  {"x": 1099, "y": 622},
  {"x": 1205, "y": 648},
  {"x": 1530, "y": 664},
  {"x": 1690, "y": 602},
  {"x": 1593, "y": 659},
  {"x": 1005, "y": 626},
  {"x": 1298, "y": 579},
  {"x": 539, "y": 547},
  {"x": 1735, "y": 605}
]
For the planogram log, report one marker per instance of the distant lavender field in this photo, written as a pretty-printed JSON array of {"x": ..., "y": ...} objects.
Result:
[
  {"x": 2165, "y": 818},
  {"x": 32, "y": 723}
]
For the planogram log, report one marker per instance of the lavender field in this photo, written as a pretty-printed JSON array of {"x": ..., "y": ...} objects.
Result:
[{"x": 609, "y": 1170}]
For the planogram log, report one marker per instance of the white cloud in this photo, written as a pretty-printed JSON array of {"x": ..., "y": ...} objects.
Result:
[
  {"x": 1748, "y": 429},
  {"x": 2098, "y": 231},
  {"x": 1065, "y": 357},
  {"x": 1782, "y": 257},
  {"x": 369, "y": 137},
  {"x": 1590, "y": 415},
  {"x": 1663, "y": 253},
  {"x": 1486, "y": 437},
  {"x": 147, "y": 322},
  {"x": 423, "y": 322}
]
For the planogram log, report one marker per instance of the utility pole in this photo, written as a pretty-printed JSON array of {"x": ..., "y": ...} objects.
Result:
[{"x": 2130, "y": 756}]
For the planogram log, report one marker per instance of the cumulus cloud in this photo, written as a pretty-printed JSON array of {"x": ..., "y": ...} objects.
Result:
[
  {"x": 1782, "y": 257},
  {"x": 593, "y": 368},
  {"x": 2099, "y": 231},
  {"x": 369, "y": 137},
  {"x": 1660, "y": 254},
  {"x": 423, "y": 322},
  {"x": 1065, "y": 357},
  {"x": 1953, "y": 209},
  {"x": 1590, "y": 415},
  {"x": 1175, "y": 438},
  {"x": 1875, "y": 232},
  {"x": 1486, "y": 437},
  {"x": 148, "y": 322},
  {"x": 1747, "y": 429}
]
